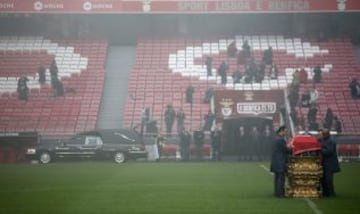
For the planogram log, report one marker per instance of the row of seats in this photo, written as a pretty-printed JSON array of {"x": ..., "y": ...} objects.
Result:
[{"x": 348, "y": 150}]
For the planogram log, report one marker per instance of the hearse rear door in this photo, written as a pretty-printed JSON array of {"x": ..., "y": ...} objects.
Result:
[{"x": 91, "y": 145}]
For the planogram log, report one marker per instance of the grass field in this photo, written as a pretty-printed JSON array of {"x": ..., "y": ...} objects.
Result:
[{"x": 98, "y": 187}]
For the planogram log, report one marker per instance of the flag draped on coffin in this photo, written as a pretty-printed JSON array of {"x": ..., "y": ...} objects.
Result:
[{"x": 304, "y": 143}]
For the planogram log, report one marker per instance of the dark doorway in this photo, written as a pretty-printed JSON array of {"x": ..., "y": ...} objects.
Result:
[{"x": 247, "y": 138}]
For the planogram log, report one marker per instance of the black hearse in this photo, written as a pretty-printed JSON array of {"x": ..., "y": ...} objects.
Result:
[{"x": 117, "y": 145}]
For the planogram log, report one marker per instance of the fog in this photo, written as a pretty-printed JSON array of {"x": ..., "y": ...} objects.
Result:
[{"x": 126, "y": 29}]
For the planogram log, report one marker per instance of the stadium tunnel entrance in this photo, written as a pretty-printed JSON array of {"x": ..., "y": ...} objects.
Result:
[
  {"x": 247, "y": 138},
  {"x": 247, "y": 120}
]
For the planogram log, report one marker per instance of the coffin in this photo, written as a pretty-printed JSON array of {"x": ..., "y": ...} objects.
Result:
[{"x": 304, "y": 168}]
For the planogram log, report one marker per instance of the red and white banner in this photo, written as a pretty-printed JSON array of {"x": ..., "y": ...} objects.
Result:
[
  {"x": 234, "y": 104},
  {"x": 177, "y": 6}
]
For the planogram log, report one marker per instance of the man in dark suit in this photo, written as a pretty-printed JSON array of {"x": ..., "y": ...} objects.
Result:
[
  {"x": 185, "y": 139},
  {"x": 169, "y": 118},
  {"x": 337, "y": 125},
  {"x": 180, "y": 116},
  {"x": 199, "y": 142},
  {"x": 278, "y": 161},
  {"x": 330, "y": 163},
  {"x": 216, "y": 136}
]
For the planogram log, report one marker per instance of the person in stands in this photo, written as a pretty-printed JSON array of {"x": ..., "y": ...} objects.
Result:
[
  {"x": 22, "y": 88},
  {"x": 259, "y": 73},
  {"x": 268, "y": 56},
  {"x": 296, "y": 78},
  {"x": 189, "y": 94},
  {"x": 293, "y": 97},
  {"x": 355, "y": 88},
  {"x": 209, "y": 93},
  {"x": 232, "y": 50},
  {"x": 53, "y": 73},
  {"x": 313, "y": 126},
  {"x": 305, "y": 99},
  {"x": 241, "y": 58},
  {"x": 222, "y": 71},
  {"x": 180, "y": 117},
  {"x": 246, "y": 49},
  {"x": 311, "y": 116},
  {"x": 314, "y": 96},
  {"x": 41, "y": 72},
  {"x": 169, "y": 118},
  {"x": 274, "y": 72},
  {"x": 209, "y": 119},
  {"x": 58, "y": 88},
  {"x": 237, "y": 76},
  {"x": 208, "y": 64},
  {"x": 328, "y": 120},
  {"x": 250, "y": 70},
  {"x": 317, "y": 74},
  {"x": 337, "y": 125},
  {"x": 303, "y": 76}
]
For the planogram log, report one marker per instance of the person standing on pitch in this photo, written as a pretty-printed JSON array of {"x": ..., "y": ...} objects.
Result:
[
  {"x": 199, "y": 142},
  {"x": 279, "y": 160},
  {"x": 330, "y": 163}
]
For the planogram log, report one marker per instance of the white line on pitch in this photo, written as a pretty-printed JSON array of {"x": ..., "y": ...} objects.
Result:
[
  {"x": 265, "y": 168},
  {"x": 313, "y": 206},
  {"x": 309, "y": 202}
]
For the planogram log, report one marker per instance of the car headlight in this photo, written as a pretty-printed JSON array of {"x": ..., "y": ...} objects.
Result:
[{"x": 31, "y": 151}]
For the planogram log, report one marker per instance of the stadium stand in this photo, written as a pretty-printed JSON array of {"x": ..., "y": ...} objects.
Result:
[
  {"x": 348, "y": 151},
  {"x": 81, "y": 69},
  {"x": 164, "y": 68},
  {"x": 334, "y": 88}
]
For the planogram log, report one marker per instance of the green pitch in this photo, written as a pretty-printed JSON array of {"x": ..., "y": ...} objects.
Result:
[{"x": 166, "y": 188}]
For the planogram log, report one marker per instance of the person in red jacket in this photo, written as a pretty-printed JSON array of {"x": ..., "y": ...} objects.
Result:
[
  {"x": 303, "y": 76},
  {"x": 232, "y": 50}
]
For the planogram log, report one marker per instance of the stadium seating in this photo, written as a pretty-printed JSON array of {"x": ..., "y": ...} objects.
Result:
[
  {"x": 81, "y": 69},
  {"x": 334, "y": 89},
  {"x": 164, "y": 68},
  {"x": 348, "y": 151}
]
